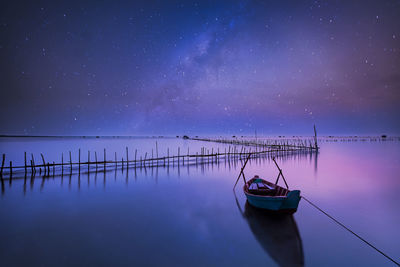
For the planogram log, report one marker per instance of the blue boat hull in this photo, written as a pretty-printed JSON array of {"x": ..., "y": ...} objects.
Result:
[{"x": 287, "y": 203}]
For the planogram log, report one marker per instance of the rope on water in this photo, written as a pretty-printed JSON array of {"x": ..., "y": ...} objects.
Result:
[{"x": 348, "y": 229}]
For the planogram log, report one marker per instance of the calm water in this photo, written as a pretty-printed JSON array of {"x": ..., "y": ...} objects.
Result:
[{"x": 189, "y": 216}]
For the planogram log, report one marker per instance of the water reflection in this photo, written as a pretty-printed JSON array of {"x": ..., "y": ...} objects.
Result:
[{"x": 277, "y": 234}]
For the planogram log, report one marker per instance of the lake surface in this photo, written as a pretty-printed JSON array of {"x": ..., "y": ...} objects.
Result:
[{"x": 189, "y": 216}]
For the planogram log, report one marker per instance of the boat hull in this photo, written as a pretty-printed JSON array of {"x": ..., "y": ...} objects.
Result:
[{"x": 286, "y": 204}]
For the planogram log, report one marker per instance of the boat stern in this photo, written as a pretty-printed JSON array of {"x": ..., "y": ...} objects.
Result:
[{"x": 292, "y": 200}]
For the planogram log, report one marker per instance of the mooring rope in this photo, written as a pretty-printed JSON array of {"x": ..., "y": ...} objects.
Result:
[{"x": 352, "y": 232}]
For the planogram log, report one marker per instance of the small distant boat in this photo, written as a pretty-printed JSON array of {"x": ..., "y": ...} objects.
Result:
[{"x": 269, "y": 196}]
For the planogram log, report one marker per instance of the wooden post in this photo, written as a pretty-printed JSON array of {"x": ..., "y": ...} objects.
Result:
[
  {"x": 33, "y": 162},
  {"x": 179, "y": 149},
  {"x": 10, "y": 171},
  {"x": 48, "y": 169},
  {"x": 70, "y": 161},
  {"x": 32, "y": 172},
  {"x": 156, "y": 149},
  {"x": 62, "y": 161},
  {"x": 79, "y": 160},
  {"x": 315, "y": 138},
  {"x": 54, "y": 164},
  {"x": 127, "y": 159},
  {"x": 168, "y": 155},
  {"x": 116, "y": 160},
  {"x": 25, "y": 162},
  {"x": 104, "y": 159},
  {"x": 44, "y": 164},
  {"x": 135, "y": 156},
  {"x": 241, "y": 172},
  {"x": 95, "y": 158},
  {"x": 2, "y": 165}
]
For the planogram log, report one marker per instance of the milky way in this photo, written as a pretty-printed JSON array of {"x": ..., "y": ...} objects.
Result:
[{"x": 199, "y": 67}]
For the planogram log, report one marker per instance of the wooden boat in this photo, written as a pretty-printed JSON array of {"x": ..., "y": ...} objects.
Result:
[{"x": 268, "y": 196}]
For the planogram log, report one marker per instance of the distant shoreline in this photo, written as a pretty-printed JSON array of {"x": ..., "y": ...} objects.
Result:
[
  {"x": 181, "y": 136},
  {"x": 80, "y": 136}
]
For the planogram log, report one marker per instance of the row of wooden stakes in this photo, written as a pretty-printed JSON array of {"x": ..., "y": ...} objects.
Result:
[{"x": 205, "y": 156}]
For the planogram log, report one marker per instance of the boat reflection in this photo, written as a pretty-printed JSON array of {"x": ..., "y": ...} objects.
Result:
[{"x": 277, "y": 234}]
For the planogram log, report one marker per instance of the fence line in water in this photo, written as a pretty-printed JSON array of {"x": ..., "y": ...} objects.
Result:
[
  {"x": 303, "y": 144},
  {"x": 153, "y": 169},
  {"x": 205, "y": 156}
]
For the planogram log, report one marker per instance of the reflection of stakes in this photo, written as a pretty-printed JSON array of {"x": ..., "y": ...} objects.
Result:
[
  {"x": 32, "y": 175},
  {"x": 178, "y": 154},
  {"x": 25, "y": 183},
  {"x": 95, "y": 158},
  {"x": 79, "y": 181},
  {"x": 42, "y": 184},
  {"x": 88, "y": 177},
  {"x": 104, "y": 179},
  {"x": 126, "y": 177}
]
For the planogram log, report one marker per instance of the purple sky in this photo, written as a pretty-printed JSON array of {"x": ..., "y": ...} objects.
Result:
[{"x": 199, "y": 67}]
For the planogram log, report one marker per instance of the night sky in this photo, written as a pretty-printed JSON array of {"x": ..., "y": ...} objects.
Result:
[{"x": 199, "y": 67}]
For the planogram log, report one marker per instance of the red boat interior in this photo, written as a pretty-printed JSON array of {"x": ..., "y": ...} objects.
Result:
[{"x": 257, "y": 186}]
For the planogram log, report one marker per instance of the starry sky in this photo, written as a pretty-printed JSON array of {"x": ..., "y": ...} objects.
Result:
[{"x": 199, "y": 67}]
